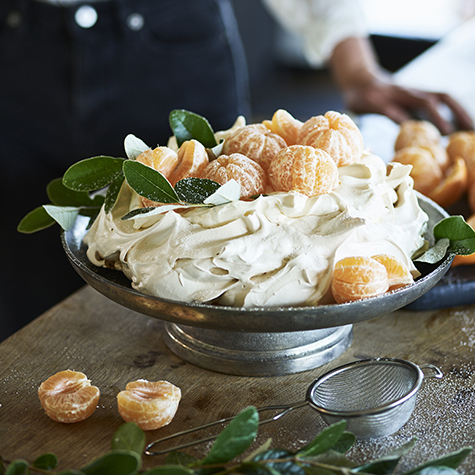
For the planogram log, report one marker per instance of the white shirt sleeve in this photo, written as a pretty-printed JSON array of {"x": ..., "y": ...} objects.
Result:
[{"x": 321, "y": 24}]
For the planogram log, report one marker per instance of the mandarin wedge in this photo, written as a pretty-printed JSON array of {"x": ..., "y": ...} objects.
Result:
[
  {"x": 398, "y": 273},
  {"x": 335, "y": 133},
  {"x": 284, "y": 125},
  {"x": 419, "y": 133},
  {"x": 192, "y": 160},
  {"x": 248, "y": 173},
  {"x": 453, "y": 186},
  {"x": 162, "y": 159},
  {"x": 256, "y": 142},
  {"x": 462, "y": 144},
  {"x": 68, "y": 396},
  {"x": 304, "y": 169},
  {"x": 358, "y": 277},
  {"x": 150, "y": 405}
]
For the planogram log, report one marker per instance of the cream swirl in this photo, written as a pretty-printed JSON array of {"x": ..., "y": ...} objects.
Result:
[{"x": 277, "y": 250}]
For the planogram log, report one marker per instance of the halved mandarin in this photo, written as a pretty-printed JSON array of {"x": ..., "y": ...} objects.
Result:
[
  {"x": 150, "y": 405},
  {"x": 304, "y": 169},
  {"x": 420, "y": 133},
  {"x": 465, "y": 260},
  {"x": 284, "y": 125},
  {"x": 425, "y": 171},
  {"x": 192, "y": 160},
  {"x": 398, "y": 273},
  {"x": 256, "y": 142},
  {"x": 248, "y": 173},
  {"x": 358, "y": 277},
  {"x": 453, "y": 186},
  {"x": 68, "y": 396},
  {"x": 335, "y": 133}
]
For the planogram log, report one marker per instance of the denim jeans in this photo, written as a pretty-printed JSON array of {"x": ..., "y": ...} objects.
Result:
[{"x": 69, "y": 92}]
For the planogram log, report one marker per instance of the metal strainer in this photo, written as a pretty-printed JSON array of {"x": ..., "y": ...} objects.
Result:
[{"x": 375, "y": 396}]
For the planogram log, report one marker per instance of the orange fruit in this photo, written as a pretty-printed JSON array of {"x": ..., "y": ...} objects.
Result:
[
  {"x": 425, "y": 172},
  {"x": 398, "y": 273},
  {"x": 150, "y": 405},
  {"x": 284, "y": 125},
  {"x": 248, "y": 173},
  {"x": 440, "y": 154},
  {"x": 358, "y": 277},
  {"x": 192, "y": 160},
  {"x": 162, "y": 159},
  {"x": 335, "y": 133},
  {"x": 470, "y": 259},
  {"x": 453, "y": 186},
  {"x": 462, "y": 144},
  {"x": 417, "y": 132},
  {"x": 256, "y": 142},
  {"x": 304, "y": 169},
  {"x": 68, "y": 396}
]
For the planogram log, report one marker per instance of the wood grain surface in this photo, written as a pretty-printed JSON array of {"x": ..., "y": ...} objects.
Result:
[{"x": 114, "y": 345}]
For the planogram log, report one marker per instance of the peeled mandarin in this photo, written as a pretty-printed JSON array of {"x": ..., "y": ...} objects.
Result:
[
  {"x": 358, "y": 277},
  {"x": 68, "y": 396},
  {"x": 150, "y": 405},
  {"x": 462, "y": 144},
  {"x": 335, "y": 133},
  {"x": 248, "y": 173},
  {"x": 256, "y": 142},
  {"x": 285, "y": 125},
  {"x": 162, "y": 159},
  {"x": 303, "y": 169},
  {"x": 425, "y": 172},
  {"x": 416, "y": 132},
  {"x": 192, "y": 160},
  {"x": 453, "y": 186},
  {"x": 440, "y": 154},
  {"x": 398, "y": 273}
]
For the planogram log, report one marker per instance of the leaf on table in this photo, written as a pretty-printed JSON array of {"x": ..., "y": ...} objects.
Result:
[
  {"x": 149, "y": 183},
  {"x": 93, "y": 173},
  {"x": 129, "y": 436},
  {"x": 325, "y": 440},
  {"x": 452, "y": 461},
  {"x": 115, "y": 462},
  {"x": 47, "y": 461},
  {"x": 187, "y": 125},
  {"x": 134, "y": 146}
]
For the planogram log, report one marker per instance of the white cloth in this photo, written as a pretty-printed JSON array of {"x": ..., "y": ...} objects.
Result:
[{"x": 321, "y": 24}]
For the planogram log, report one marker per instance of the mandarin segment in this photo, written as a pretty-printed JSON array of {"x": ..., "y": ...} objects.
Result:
[
  {"x": 68, "y": 396},
  {"x": 452, "y": 186},
  {"x": 162, "y": 159},
  {"x": 462, "y": 144},
  {"x": 303, "y": 169},
  {"x": 358, "y": 277},
  {"x": 335, "y": 133},
  {"x": 398, "y": 273},
  {"x": 150, "y": 405},
  {"x": 284, "y": 125},
  {"x": 421, "y": 133},
  {"x": 248, "y": 173},
  {"x": 256, "y": 142},
  {"x": 192, "y": 160}
]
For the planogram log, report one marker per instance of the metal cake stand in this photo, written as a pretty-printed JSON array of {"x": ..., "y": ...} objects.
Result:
[{"x": 258, "y": 341}]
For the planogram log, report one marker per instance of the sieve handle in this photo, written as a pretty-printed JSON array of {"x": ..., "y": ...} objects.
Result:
[
  {"x": 436, "y": 372},
  {"x": 284, "y": 409}
]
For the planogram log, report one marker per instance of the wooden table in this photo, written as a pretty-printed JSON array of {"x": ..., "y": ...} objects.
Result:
[{"x": 114, "y": 345}]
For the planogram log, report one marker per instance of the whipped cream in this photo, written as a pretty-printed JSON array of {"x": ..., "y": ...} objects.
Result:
[{"x": 278, "y": 250}]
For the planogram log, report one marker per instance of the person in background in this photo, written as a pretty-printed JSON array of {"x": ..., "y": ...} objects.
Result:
[{"x": 76, "y": 78}]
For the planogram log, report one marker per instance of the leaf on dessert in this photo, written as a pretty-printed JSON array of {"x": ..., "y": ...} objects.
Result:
[
  {"x": 195, "y": 190},
  {"x": 436, "y": 253},
  {"x": 60, "y": 195},
  {"x": 187, "y": 125},
  {"x": 459, "y": 232},
  {"x": 63, "y": 215},
  {"x": 230, "y": 191},
  {"x": 134, "y": 146},
  {"x": 113, "y": 193},
  {"x": 35, "y": 220},
  {"x": 93, "y": 173},
  {"x": 152, "y": 211},
  {"x": 148, "y": 182}
]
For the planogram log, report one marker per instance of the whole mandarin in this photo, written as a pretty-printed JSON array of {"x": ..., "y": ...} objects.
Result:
[{"x": 417, "y": 132}]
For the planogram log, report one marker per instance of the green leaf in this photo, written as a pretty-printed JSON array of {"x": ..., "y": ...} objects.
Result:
[
  {"x": 230, "y": 191},
  {"x": 35, "y": 220},
  {"x": 170, "y": 470},
  {"x": 179, "y": 458},
  {"x": 113, "y": 193},
  {"x": 92, "y": 173},
  {"x": 134, "y": 146},
  {"x": 436, "y": 253},
  {"x": 70, "y": 472},
  {"x": 345, "y": 442},
  {"x": 439, "y": 471},
  {"x": 452, "y": 460},
  {"x": 460, "y": 233},
  {"x": 280, "y": 461},
  {"x": 129, "y": 436},
  {"x": 325, "y": 440},
  {"x": 149, "y": 183},
  {"x": 46, "y": 462},
  {"x": 188, "y": 125},
  {"x": 18, "y": 467},
  {"x": 60, "y": 195},
  {"x": 252, "y": 468},
  {"x": 116, "y": 462},
  {"x": 65, "y": 216},
  {"x": 235, "y": 438},
  {"x": 195, "y": 190}
]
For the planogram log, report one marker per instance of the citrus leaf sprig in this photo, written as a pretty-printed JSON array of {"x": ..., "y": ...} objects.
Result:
[{"x": 326, "y": 454}]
